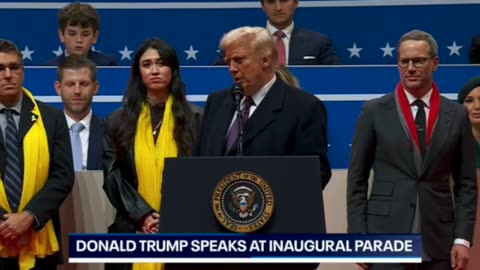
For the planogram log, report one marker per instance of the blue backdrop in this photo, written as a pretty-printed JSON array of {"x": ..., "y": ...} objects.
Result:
[
  {"x": 343, "y": 89},
  {"x": 195, "y": 26}
]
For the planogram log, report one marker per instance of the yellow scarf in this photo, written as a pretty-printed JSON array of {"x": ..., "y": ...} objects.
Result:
[
  {"x": 35, "y": 148},
  {"x": 149, "y": 161}
]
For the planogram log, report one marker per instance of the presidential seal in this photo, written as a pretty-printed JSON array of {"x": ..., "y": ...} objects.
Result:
[{"x": 243, "y": 202}]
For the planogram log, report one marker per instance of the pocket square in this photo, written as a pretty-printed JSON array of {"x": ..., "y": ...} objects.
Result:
[{"x": 308, "y": 57}]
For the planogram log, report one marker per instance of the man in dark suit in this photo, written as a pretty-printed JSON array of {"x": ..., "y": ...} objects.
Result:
[
  {"x": 282, "y": 120},
  {"x": 415, "y": 140},
  {"x": 77, "y": 84},
  {"x": 296, "y": 46},
  {"x": 36, "y": 171},
  {"x": 79, "y": 30}
]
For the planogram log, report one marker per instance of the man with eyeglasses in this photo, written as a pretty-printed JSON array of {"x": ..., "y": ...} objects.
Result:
[
  {"x": 36, "y": 171},
  {"x": 415, "y": 140}
]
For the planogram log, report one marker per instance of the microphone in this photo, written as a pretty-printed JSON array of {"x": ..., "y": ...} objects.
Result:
[{"x": 237, "y": 93}]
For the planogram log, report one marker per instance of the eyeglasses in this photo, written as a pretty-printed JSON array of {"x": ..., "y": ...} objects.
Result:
[
  {"x": 418, "y": 62},
  {"x": 12, "y": 67}
]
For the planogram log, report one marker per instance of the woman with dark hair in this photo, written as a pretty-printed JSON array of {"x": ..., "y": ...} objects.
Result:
[
  {"x": 155, "y": 122},
  {"x": 469, "y": 96}
]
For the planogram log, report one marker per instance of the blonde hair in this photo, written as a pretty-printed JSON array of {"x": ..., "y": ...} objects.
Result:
[
  {"x": 287, "y": 76},
  {"x": 259, "y": 39}
]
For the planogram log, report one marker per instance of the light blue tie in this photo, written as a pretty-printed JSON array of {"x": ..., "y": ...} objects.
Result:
[
  {"x": 13, "y": 170},
  {"x": 77, "y": 146}
]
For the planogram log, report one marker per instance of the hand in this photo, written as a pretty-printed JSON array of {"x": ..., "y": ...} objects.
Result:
[
  {"x": 150, "y": 224},
  {"x": 459, "y": 256},
  {"x": 15, "y": 226},
  {"x": 363, "y": 266}
]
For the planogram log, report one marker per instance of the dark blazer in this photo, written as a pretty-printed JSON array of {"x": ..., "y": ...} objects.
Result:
[
  {"x": 99, "y": 58},
  {"x": 95, "y": 144},
  {"x": 474, "y": 55},
  {"x": 121, "y": 181},
  {"x": 306, "y": 48},
  {"x": 289, "y": 121},
  {"x": 382, "y": 140},
  {"x": 45, "y": 204}
]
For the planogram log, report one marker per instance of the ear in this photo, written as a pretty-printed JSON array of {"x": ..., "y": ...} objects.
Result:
[
  {"x": 266, "y": 62},
  {"x": 61, "y": 35},
  {"x": 97, "y": 87},
  {"x": 95, "y": 36},
  {"x": 436, "y": 62},
  {"x": 57, "y": 88}
]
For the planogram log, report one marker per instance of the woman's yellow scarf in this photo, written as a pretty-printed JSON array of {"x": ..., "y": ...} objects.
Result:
[
  {"x": 35, "y": 148},
  {"x": 149, "y": 161}
]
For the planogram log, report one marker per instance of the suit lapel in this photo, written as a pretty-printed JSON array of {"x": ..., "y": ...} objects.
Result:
[
  {"x": 409, "y": 154},
  {"x": 94, "y": 143},
  {"x": 223, "y": 118},
  {"x": 439, "y": 133},
  {"x": 27, "y": 118},
  {"x": 265, "y": 113},
  {"x": 293, "y": 51}
]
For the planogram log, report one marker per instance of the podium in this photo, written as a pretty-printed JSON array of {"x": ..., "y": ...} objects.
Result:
[{"x": 189, "y": 184}]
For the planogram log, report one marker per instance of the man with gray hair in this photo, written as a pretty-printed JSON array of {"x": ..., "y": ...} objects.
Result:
[
  {"x": 280, "y": 119},
  {"x": 415, "y": 140}
]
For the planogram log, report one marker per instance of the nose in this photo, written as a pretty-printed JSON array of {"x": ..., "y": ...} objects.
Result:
[
  {"x": 155, "y": 69},
  {"x": 410, "y": 66},
  {"x": 79, "y": 38},
  {"x": 8, "y": 73},
  {"x": 232, "y": 67},
  {"x": 476, "y": 104},
  {"x": 76, "y": 89}
]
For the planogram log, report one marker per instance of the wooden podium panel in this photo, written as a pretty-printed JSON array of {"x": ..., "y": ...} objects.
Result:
[{"x": 86, "y": 210}]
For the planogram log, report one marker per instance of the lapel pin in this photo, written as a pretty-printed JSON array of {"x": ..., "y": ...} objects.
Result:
[{"x": 34, "y": 118}]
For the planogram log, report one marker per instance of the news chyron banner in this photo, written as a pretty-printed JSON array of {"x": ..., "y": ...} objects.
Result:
[{"x": 245, "y": 248}]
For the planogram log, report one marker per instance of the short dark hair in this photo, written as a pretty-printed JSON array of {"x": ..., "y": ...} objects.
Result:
[
  {"x": 79, "y": 14},
  {"x": 75, "y": 61},
  {"x": 7, "y": 46}
]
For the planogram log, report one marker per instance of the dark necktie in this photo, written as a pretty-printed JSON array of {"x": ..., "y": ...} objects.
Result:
[
  {"x": 234, "y": 133},
  {"x": 421, "y": 123},
  {"x": 282, "y": 54},
  {"x": 13, "y": 173}
]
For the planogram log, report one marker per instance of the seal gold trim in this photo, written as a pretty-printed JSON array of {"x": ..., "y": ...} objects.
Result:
[{"x": 243, "y": 202}]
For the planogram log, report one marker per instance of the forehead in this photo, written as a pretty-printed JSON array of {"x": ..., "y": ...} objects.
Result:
[
  {"x": 414, "y": 48},
  {"x": 149, "y": 54},
  {"x": 9, "y": 58},
  {"x": 76, "y": 74},
  {"x": 475, "y": 92},
  {"x": 78, "y": 28},
  {"x": 238, "y": 47}
]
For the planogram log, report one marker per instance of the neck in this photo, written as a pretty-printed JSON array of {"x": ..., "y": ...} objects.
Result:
[
  {"x": 10, "y": 101},
  {"x": 157, "y": 97},
  {"x": 77, "y": 116},
  {"x": 281, "y": 26}
]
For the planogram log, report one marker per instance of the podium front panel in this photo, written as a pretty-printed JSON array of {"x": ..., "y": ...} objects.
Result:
[{"x": 189, "y": 183}]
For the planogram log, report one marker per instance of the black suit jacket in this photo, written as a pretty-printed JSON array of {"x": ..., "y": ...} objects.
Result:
[
  {"x": 95, "y": 144},
  {"x": 99, "y": 58},
  {"x": 401, "y": 180},
  {"x": 289, "y": 121},
  {"x": 306, "y": 48},
  {"x": 474, "y": 55},
  {"x": 45, "y": 204}
]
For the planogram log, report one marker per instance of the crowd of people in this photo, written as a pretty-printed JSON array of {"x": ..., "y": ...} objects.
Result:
[{"x": 428, "y": 186}]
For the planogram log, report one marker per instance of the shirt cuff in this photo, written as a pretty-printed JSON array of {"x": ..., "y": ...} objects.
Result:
[
  {"x": 36, "y": 225},
  {"x": 462, "y": 242}
]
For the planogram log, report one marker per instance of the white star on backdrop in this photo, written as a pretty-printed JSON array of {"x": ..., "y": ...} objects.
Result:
[
  {"x": 59, "y": 51},
  {"x": 191, "y": 53},
  {"x": 126, "y": 53},
  {"x": 354, "y": 51},
  {"x": 95, "y": 50},
  {"x": 387, "y": 50},
  {"x": 27, "y": 54},
  {"x": 454, "y": 49}
]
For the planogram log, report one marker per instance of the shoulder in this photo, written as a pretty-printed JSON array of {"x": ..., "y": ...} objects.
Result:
[
  {"x": 97, "y": 121},
  {"x": 196, "y": 110},
  {"x": 309, "y": 34},
  {"x": 218, "y": 95},
  {"x": 102, "y": 59},
  {"x": 54, "y": 61},
  {"x": 452, "y": 105},
  {"x": 113, "y": 118},
  {"x": 48, "y": 111}
]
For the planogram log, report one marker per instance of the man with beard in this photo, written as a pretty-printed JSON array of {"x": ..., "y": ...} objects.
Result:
[{"x": 77, "y": 84}]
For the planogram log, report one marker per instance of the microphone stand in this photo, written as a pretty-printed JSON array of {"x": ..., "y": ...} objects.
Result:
[{"x": 240, "y": 126}]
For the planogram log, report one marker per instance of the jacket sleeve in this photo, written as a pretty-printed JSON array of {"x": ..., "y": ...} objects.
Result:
[
  {"x": 45, "y": 204},
  {"x": 120, "y": 188},
  {"x": 361, "y": 160}
]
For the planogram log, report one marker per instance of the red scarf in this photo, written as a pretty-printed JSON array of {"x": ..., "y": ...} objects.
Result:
[{"x": 407, "y": 112}]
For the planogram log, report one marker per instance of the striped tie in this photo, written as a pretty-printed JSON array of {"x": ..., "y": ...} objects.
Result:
[{"x": 13, "y": 173}]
